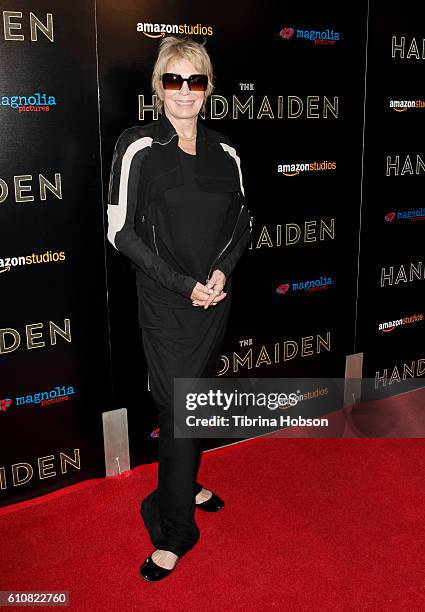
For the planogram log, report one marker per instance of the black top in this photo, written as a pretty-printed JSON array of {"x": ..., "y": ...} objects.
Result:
[{"x": 195, "y": 221}]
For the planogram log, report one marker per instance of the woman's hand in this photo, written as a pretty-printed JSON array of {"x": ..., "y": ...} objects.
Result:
[{"x": 212, "y": 293}]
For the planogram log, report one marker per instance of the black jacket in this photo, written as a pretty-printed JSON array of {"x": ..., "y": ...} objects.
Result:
[{"x": 146, "y": 163}]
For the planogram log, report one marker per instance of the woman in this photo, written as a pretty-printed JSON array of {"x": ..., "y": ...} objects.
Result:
[{"x": 176, "y": 208}]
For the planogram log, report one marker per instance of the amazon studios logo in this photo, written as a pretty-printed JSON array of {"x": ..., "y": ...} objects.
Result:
[
  {"x": 297, "y": 168},
  {"x": 159, "y": 30}
]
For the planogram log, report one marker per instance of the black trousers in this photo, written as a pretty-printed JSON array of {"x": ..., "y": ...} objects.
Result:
[{"x": 177, "y": 342}]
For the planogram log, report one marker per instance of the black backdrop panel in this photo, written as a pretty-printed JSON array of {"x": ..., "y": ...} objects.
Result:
[
  {"x": 306, "y": 226},
  {"x": 392, "y": 236},
  {"x": 53, "y": 388}
]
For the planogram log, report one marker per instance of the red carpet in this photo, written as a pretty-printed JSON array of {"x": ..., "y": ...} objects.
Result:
[{"x": 309, "y": 525}]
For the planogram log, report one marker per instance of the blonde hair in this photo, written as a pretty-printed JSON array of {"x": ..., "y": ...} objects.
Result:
[{"x": 187, "y": 48}]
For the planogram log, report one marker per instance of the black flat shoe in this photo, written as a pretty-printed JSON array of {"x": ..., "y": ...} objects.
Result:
[
  {"x": 212, "y": 504},
  {"x": 152, "y": 572}
]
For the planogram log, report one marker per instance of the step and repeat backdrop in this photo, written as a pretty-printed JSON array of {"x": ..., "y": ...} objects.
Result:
[
  {"x": 390, "y": 321},
  {"x": 290, "y": 94},
  {"x": 324, "y": 107},
  {"x": 55, "y": 378}
]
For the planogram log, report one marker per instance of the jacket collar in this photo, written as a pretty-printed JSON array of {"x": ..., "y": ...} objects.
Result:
[
  {"x": 215, "y": 171},
  {"x": 165, "y": 130}
]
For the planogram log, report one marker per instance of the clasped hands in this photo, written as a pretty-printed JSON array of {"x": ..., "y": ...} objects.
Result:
[{"x": 211, "y": 293}]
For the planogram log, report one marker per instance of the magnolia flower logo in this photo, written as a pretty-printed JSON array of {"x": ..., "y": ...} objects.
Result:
[
  {"x": 282, "y": 289},
  {"x": 4, "y": 404},
  {"x": 286, "y": 33},
  {"x": 390, "y": 217}
]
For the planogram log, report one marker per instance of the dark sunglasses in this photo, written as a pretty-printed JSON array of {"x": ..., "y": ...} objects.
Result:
[{"x": 196, "y": 82}]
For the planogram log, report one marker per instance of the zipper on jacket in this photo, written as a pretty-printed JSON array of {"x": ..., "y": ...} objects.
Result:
[
  {"x": 165, "y": 143},
  {"x": 225, "y": 247},
  {"x": 154, "y": 239}
]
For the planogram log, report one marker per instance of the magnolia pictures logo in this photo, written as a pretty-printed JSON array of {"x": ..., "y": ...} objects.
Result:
[
  {"x": 39, "y": 398},
  {"x": 306, "y": 287},
  {"x": 33, "y": 103},
  {"x": 409, "y": 214},
  {"x": 317, "y": 37}
]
